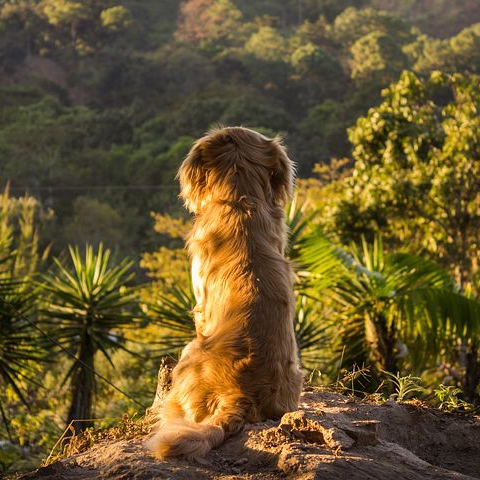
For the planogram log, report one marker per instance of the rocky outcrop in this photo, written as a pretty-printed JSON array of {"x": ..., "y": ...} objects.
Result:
[{"x": 330, "y": 437}]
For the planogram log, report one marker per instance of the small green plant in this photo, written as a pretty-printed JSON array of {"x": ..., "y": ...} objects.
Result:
[
  {"x": 448, "y": 396},
  {"x": 404, "y": 386}
]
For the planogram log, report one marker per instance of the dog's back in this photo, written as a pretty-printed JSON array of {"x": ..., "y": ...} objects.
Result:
[{"x": 243, "y": 365}]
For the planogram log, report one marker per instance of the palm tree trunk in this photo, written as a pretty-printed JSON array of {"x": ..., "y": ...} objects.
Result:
[
  {"x": 386, "y": 346},
  {"x": 83, "y": 388}
]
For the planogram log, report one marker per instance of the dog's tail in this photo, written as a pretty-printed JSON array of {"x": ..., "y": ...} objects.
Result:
[{"x": 182, "y": 438}]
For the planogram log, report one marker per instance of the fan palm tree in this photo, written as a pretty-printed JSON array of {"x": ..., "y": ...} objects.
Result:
[
  {"x": 88, "y": 306},
  {"x": 387, "y": 306}
]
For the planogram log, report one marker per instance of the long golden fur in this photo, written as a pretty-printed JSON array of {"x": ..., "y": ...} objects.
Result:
[{"x": 243, "y": 364}]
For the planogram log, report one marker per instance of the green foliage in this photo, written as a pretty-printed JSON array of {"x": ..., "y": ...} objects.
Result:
[
  {"x": 388, "y": 306},
  {"x": 266, "y": 44},
  {"x": 20, "y": 349},
  {"x": 448, "y": 396},
  {"x": 8, "y": 455},
  {"x": 94, "y": 222},
  {"x": 312, "y": 335},
  {"x": 19, "y": 222},
  {"x": 60, "y": 11},
  {"x": 223, "y": 24},
  {"x": 115, "y": 18},
  {"x": 92, "y": 77},
  {"x": 87, "y": 308},
  {"x": 22, "y": 352},
  {"x": 414, "y": 155},
  {"x": 377, "y": 54},
  {"x": 353, "y": 24},
  {"x": 100, "y": 102},
  {"x": 405, "y": 386}
]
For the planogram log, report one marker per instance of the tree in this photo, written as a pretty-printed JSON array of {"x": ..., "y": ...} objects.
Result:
[
  {"x": 429, "y": 54},
  {"x": 87, "y": 307},
  {"x": 83, "y": 24},
  {"x": 224, "y": 22},
  {"x": 465, "y": 49},
  {"x": 459, "y": 53},
  {"x": 115, "y": 18},
  {"x": 266, "y": 44},
  {"x": 353, "y": 23},
  {"x": 20, "y": 27},
  {"x": 67, "y": 14},
  {"x": 417, "y": 168},
  {"x": 210, "y": 23},
  {"x": 317, "y": 32},
  {"x": 377, "y": 55},
  {"x": 20, "y": 220},
  {"x": 317, "y": 72},
  {"x": 189, "y": 28},
  {"x": 94, "y": 222}
]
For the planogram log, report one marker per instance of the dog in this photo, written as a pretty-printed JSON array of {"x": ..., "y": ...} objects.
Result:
[{"x": 243, "y": 365}]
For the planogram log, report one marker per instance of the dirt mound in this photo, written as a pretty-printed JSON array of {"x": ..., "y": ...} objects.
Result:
[{"x": 329, "y": 437}]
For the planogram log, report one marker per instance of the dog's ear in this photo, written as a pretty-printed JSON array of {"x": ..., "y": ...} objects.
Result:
[
  {"x": 193, "y": 178},
  {"x": 282, "y": 175}
]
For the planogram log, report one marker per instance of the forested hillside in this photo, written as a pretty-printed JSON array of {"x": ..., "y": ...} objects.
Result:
[{"x": 100, "y": 100}]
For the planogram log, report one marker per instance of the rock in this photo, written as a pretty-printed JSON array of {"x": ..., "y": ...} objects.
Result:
[
  {"x": 328, "y": 438},
  {"x": 313, "y": 428},
  {"x": 365, "y": 432}
]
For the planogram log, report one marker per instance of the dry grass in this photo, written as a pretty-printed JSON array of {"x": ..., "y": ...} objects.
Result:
[{"x": 70, "y": 444}]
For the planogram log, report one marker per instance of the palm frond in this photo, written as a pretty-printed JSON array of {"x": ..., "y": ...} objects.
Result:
[
  {"x": 311, "y": 333},
  {"x": 19, "y": 343},
  {"x": 90, "y": 299},
  {"x": 173, "y": 310},
  {"x": 383, "y": 299},
  {"x": 298, "y": 223}
]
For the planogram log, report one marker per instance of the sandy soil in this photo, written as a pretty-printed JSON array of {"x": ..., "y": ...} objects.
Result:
[{"x": 330, "y": 437}]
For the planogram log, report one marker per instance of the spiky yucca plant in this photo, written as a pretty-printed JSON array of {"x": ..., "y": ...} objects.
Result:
[{"x": 88, "y": 305}]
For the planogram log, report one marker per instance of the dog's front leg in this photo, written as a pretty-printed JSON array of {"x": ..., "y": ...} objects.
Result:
[
  {"x": 199, "y": 292},
  {"x": 199, "y": 317}
]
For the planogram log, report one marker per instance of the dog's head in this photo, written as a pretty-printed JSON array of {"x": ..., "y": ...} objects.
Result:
[{"x": 235, "y": 163}]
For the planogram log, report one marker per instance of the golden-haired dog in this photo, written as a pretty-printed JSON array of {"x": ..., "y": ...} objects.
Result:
[{"x": 243, "y": 365}]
